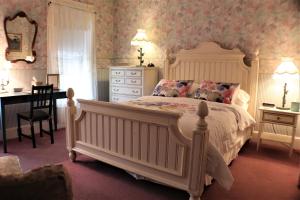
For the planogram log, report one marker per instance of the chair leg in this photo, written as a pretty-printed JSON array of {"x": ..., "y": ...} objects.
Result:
[
  {"x": 51, "y": 131},
  {"x": 19, "y": 130},
  {"x": 41, "y": 129},
  {"x": 32, "y": 135}
]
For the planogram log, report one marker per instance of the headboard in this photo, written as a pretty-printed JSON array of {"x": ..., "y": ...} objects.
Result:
[{"x": 211, "y": 62}]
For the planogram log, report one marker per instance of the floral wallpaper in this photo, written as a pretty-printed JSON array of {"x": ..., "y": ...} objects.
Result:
[
  {"x": 271, "y": 26},
  {"x": 37, "y": 10}
]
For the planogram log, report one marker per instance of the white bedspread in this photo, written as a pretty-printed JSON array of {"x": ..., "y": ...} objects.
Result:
[{"x": 223, "y": 122}]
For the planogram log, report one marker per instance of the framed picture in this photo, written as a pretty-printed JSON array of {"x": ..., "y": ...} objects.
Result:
[
  {"x": 14, "y": 41},
  {"x": 53, "y": 79}
]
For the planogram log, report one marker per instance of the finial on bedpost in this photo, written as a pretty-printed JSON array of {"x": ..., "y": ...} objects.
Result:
[
  {"x": 199, "y": 154},
  {"x": 202, "y": 113},
  {"x": 70, "y": 95},
  {"x": 70, "y": 135}
]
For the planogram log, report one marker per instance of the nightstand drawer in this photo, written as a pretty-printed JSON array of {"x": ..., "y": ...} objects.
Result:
[
  {"x": 117, "y": 72},
  {"x": 131, "y": 81},
  {"x": 279, "y": 118},
  {"x": 134, "y": 73},
  {"x": 117, "y": 81},
  {"x": 130, "y": 91}
]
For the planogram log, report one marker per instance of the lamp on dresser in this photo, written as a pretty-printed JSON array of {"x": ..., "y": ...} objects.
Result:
[
  {"x": 140, "y": 39},
  {"x": 287, "y": 70}
]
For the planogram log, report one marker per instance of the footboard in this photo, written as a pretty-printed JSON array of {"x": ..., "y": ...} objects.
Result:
[{"x": 143, "y": 141}]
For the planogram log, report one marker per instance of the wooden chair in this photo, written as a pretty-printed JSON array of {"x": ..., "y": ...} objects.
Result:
[{"x": 40, "y": 110}]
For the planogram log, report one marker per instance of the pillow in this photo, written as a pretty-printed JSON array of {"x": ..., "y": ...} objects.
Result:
[
  {"x": 241, "y": 98},
  {"x": 193, "y": 89},
  {"x": 216, "y": 91},
  {"x": 172, "y": 88}
]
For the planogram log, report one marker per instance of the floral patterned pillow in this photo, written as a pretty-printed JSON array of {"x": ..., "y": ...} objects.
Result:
[
  {"x": 172, "y": 88},
  {"x": 216, "y": 91}
]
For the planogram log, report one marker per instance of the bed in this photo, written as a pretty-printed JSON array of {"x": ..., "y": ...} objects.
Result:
[{"x": 149, "y": 142}]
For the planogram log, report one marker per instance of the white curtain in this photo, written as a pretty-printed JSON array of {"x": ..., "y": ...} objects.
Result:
[{"x": 71, "y": 50}]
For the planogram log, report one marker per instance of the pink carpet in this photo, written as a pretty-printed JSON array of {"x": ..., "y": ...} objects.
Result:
[{"x": 268, "y": 174}]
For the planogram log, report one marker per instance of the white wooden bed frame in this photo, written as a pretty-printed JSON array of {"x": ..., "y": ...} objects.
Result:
[{"x": 148, "y": 142}]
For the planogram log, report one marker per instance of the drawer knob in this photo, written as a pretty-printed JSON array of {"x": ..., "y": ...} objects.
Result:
[
  {"x": 116, "y": 90},
  {"x": 278, "y": 118},
  {"x": 133, "y": 81},
  {"x": 117, "y": 72},
  {"x": 135, "y": 91},
  {"x": 133, "y": 73},
  {"x": 118, "y": 81}
]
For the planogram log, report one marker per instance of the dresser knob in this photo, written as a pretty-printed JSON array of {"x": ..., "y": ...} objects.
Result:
[
  {"x": 133, "y": 73},
  {"x": 133, "y": 81}
]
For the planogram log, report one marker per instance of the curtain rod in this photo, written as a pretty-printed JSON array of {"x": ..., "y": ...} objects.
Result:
[{"x": 74, "y": 4}]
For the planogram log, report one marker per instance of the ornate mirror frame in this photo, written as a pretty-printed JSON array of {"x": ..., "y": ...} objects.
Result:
[{"x": 31, "y": 21}]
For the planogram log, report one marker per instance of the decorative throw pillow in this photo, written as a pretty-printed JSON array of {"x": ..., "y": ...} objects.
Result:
[
  {"x": 172, "y": 88},
  {"x": 216, "y": 91}
]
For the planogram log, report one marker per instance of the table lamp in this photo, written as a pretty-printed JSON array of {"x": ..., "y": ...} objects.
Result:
[
  {"x": 140, "y": 40},
  {"x": 287, "y": 70}
]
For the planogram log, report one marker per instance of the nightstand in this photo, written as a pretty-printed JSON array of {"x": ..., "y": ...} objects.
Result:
[{"x": 280, "y": 117}]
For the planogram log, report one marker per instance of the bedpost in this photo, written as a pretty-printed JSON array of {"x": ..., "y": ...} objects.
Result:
[
  {"x": 71, "y": 111},
  {"x": 199, "y": 154}
]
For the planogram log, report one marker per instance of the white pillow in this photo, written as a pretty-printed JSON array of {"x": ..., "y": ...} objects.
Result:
[
  {"x": 192, "y": 90},
  {"x": 242, "y": 99}
]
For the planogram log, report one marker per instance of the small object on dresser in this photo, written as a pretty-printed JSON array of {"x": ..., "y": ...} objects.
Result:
[
  {"x": 150, "y": 65},
  {"x": 18, "y": 89},
  {"x": 35, "y": 82},
  {"x": 295, "y": 106},
  {"x": 271, "y": 105}
]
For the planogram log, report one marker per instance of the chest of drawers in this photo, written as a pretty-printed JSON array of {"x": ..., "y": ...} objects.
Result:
[{"x": 128, "y": 83}]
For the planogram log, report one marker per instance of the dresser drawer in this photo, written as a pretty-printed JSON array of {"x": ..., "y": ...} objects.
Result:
[
  {"x": 133, "y": 81},
  {"x": 116, "y": 72},
  {"x": 118, "y": 98},
  {"x": 134, "y": 73},
  {"x": 128, "y": 91},
  {"x": 279, "y": 118},
  {"x": 117, "y": 81}
]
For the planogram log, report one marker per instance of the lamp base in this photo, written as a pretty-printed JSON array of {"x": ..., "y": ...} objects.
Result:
[{"x": 282, "y": 108}]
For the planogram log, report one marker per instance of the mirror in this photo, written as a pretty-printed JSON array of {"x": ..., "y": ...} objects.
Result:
[{"x": 20, "y": 32}]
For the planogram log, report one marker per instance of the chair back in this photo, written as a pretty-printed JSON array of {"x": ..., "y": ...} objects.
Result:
[{"x": 41, "y": 98}]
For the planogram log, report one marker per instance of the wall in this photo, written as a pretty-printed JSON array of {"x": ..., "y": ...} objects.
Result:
[{"x": 270, "y": 26}]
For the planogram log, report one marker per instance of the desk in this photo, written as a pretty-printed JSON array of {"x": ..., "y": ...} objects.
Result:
[{"x": 23, "y": 97}]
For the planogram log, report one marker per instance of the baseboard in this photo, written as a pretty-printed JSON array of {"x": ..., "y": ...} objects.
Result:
[
  {"x": 11, "y": 133},
  {"x": 278, "y": 137}
]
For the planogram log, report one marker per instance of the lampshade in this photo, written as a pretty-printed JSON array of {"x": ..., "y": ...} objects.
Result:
[
  {"x": 140, "y": 39},
  {"x": 286, "y": 69}
]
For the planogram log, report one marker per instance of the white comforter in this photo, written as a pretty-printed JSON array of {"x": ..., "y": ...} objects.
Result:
[{"x": 223, "y": 122}]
